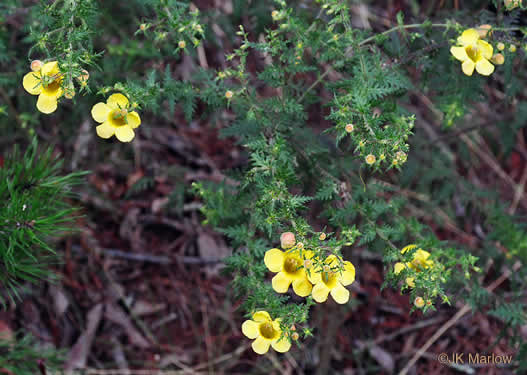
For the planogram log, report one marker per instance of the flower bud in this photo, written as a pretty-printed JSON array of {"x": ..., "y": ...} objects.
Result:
[
  {"x": 229, "y": 94},
  {"x": 182, "y": 44},
  {"x": 419, "y": 302},
  {"x": 498, "y": 59},
  {"x": 512, "y": 48},
  {"x": 349, "y": 128},
  {"x": 308, "y": 263},
  {"x": 295, "y": 336},
  {"x": 500, "y": 46},
  {"x": 287, "y": 240},
  {"x": 322, "y": 236},
  {"x": 370, "y": 159},
  {"x": 142, "y": 27},
  {"x": 83, "y": 77},
  {"x": 300, "y": 245},
  {"x": 36, "y": 65},
  {"x": 483, "y": 30}
]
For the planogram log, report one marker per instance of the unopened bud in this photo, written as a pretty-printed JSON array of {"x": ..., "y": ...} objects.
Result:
[
  {"x": 229, "y": 94},
  {"x": 498, "y": 59},
  {"x": 349, "y": 128},
  {"x": 142, "y": 27},
  {"x": 322, "y": 236},
  {"x": 36, "y": 65},
  {"x": 512, "y": 48},
  {"x": 500, "y": 46},
  {"x": 300, "y": 245},
  {"x": 308, "y": 263},
  {"x": 182, "y": 44},
  {"x": 295, "y": 336},
  {"x": 287, "y": 240},
  {"x": 370, "y": 159},
  {"x": 83, "y": 77},
  {"x": 419, "y": 302},
  {"x": 483, "y": 30}
]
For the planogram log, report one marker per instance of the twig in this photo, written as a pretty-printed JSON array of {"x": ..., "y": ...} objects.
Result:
[{"x": 465, "y": 309}]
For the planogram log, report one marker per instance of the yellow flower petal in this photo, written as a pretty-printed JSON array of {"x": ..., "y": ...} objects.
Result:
[
  {"x": 340, "y": 294},
  {"x": 314, "y": 276},
  {"x": 116, "y": 101},
  {"x": 124, "y": 133},
  {"x": 320, "y": 292},
  {"x": 274, "y": 260},
  {"x": 261, "y": 317},
  {"x": 105, "y": 130},
  {"x": 410, "y": 282},
  {"x": 459, "y": 53},
  {"x": 250, "y": 329},
  {"x": 484, "y": 67},
  {"x": 486, "y": 49},
  {"x": 261, "y": 345},
  {"x": 302, "y": 287},
  {"x": 281, "y": 282},
  {"x": 133, "y": 119},
  {"x": 469, "y": 36},
  {"x": 408, "y": 248},
  {"x": 50, "y": 68},
  {"x": 282, "y": 345},
  {"x": 46, "y": 104},
  {"x": 398, "y": 267},
  {"x": 348, "y": 274},
  {"x": 100, "y": 112},
  {"x": 468, "y": 67},
  {"x": 31, "y": 83}
]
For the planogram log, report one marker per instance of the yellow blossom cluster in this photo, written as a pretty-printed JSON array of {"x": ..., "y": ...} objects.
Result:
[
  {"x": 308, "y": 274},
  {"x": 420, "y": 262},
  {"x": 116, "y": 116}
]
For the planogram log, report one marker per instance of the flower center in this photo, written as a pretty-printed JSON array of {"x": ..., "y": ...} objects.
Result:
[
  {"x": 118, "y": 117},
  {"x": 291, "y": 265},
  {"x": 267, "y": 330},
  {"x": 329, "y": 277},
  {"x": 473, "y": 52},
  {"x": 51, "y": 85}
]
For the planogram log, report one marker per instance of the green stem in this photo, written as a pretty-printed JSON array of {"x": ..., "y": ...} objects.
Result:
[{"x": 399, "y": 27}]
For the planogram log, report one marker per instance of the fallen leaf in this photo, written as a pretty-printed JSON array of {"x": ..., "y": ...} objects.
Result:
[
  {"x": 116, "y": 315},
  {"x": 79, "y": 353}
]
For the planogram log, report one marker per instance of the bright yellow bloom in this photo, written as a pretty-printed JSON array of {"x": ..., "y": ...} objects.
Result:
[
  {"x": 290, "y": 268},
  {"x": 116, "y": 118},
  {"x": 473, "y": 53},
  {"x": 419, "y": 263},
  {"x": 331, "y": 280},
  {"x": 46, "y": 83},
  {"x": 267, "y": 333}
]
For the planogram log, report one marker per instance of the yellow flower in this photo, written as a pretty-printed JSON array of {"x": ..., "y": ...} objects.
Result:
[
  {"x": 267, "y": 333},
  {"x": 330, "y": 280},
  {"x": 115, "y": 118},
  {"x": 473, "y": 53},
  {"x": 289, "y": 266},
  {"x": 419, "y": 263},
  {"x": 46, "y": 83}
]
